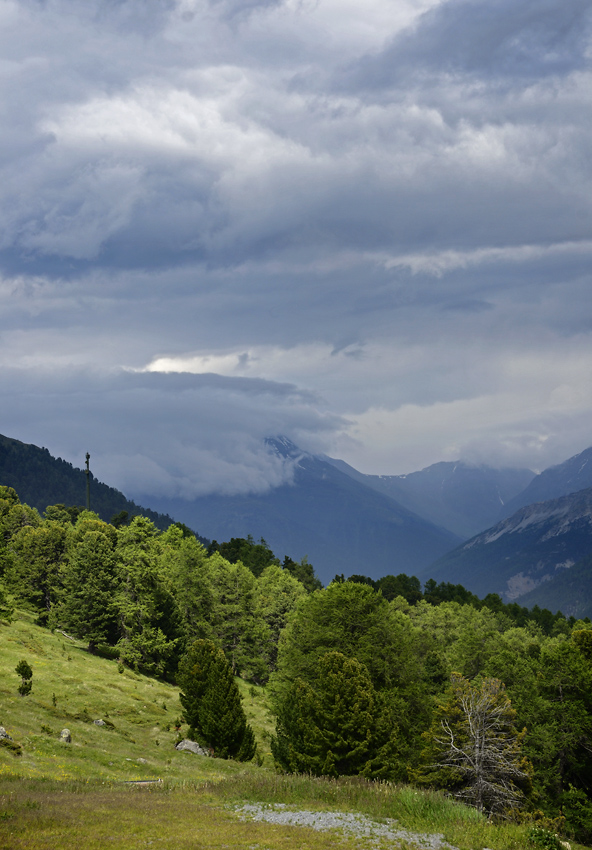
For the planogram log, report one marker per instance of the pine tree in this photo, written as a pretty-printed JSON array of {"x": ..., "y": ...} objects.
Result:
[
  {"x": 37, "y": 554},
  {"x": 88, "y": 586},
  {"x": 337, "y": 726},
  {"x": 149, "y": 620},
  {"x": 212, "y": 703}
]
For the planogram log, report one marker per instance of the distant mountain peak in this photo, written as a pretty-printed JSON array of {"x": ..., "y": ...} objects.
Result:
[
  {"x": 531, "y": 548},
  {"x": 572, "y": 475},
  {"x": 284, "y": 447}
]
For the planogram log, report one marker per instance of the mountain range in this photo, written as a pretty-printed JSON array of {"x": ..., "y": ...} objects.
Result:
[
  {"x": 340, "y": 524},
  {"x": 540, "y": 554},
  {"x": 530, "y": 536},
  {"x": 457, "y": 496},
  {"x": 572, "y": 475},
  {"x": 529, "y": 548}
]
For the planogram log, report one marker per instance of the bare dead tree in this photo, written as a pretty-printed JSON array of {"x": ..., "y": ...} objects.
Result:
[{"x": 480, "y": 743}]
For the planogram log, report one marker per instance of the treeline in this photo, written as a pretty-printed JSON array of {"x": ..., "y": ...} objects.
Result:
[
  {"x": 386, "y": 679},
  {"x": 409, "y": 587},
  {"x": 40, "y": 480}
]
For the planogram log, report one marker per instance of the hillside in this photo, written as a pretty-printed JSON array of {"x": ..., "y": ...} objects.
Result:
[
  {"x": 91, "y": 793},
  {"x": 42, "y": 480},
  {"x": 570, "y": 591},
  {"x": 533, "y": 546},
  {"x": 71, "y": 689}
]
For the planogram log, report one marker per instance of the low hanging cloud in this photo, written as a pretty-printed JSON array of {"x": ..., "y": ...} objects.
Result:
[{"x": 172, "y": 435}]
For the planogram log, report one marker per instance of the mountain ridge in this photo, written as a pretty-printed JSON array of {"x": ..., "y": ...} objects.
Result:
[
  {"x": 570, "y": 476},
  {"x": 520, "y": 553},
  {"x": 461, "y": 497},
  {"x": 40, "y": 480},
  {"x": 343, "y": 526}
]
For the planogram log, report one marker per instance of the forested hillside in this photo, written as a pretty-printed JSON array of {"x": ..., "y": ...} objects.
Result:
[
  {"x": 42, "y": 480},
  {"x": 381, "y": 679}
]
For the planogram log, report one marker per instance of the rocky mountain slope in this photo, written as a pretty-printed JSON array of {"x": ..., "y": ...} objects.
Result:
[
  {"x": 570, "y": 591},
  {"x": 536, "y": 545},
  {"x": 568, "y": 477}
]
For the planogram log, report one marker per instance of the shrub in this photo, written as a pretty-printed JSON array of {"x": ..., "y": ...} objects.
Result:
[{"x": 24, "y": 670}]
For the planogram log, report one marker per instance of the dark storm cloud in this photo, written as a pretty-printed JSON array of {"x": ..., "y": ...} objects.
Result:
[
  {"x": 151, "y": 150},
  {"x": 381, "y": 211},
  {"x": 520, "y": 40}
]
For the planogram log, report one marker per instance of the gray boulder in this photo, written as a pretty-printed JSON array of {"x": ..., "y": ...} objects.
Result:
[
  {"x": 4, "y": 733},
  {"x": 65, "y": 736},
  {"x": 191, "y": 747},
  {"x": 99, "y": 722}
]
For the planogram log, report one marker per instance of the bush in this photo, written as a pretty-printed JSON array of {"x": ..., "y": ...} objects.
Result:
[
  {"x": 540, "y": 837},
  {"x": 12, "y": 746},
  {"x": 24, "y": 670}
]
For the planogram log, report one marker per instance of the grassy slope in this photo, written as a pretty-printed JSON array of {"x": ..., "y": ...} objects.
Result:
[
  {"x": 69, "y": 796},
  {"x": 143, "y": 712}
]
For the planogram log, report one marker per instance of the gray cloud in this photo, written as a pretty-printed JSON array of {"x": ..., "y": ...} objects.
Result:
[
  {"x": 516, "y": 40},
  {"x": 175, "y": 435},
  {"x": 373, "y": 223}
]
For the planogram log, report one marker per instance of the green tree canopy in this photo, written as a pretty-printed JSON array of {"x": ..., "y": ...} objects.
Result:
[
  {"x": 335, "y": 726},
  {"x": 88, "y": 584},
  {"x": 255, "y": 556},
  {"x": 276, "y": 593},
  {"x": 37, "y": 555},
  {"x": 149, "y": 620},
  {"x": 353, "y": 619}
]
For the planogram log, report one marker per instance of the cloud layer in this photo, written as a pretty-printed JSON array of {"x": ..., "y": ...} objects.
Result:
[{"x": 367, "y": 226}]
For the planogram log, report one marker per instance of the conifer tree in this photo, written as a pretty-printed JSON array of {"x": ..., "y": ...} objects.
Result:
[
  {"x": 149, "y": 619},
  {"x": 25, "y": 671},
  {"x": 86, "y": 603},
  {"x": 212, "y": 703},
  {"x": 37, "y": 554},
  {"x": 337, "y": 726}
]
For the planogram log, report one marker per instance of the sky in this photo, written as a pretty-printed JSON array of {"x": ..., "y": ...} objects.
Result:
[{"x": 365, "y": 226}]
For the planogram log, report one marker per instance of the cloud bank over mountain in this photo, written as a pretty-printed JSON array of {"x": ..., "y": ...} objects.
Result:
[{"x": 366, "y": 226}]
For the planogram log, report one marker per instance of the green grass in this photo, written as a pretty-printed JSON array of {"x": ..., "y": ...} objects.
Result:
[
  {"x": 74, "y": 795},
  {"x": 71, "y": 689}
]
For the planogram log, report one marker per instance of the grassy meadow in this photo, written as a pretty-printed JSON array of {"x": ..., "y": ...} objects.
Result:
[{"x": 82, "y": 795}]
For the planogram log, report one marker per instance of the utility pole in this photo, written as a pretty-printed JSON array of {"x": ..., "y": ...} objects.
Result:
[{"x": 87, "y": 482}]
